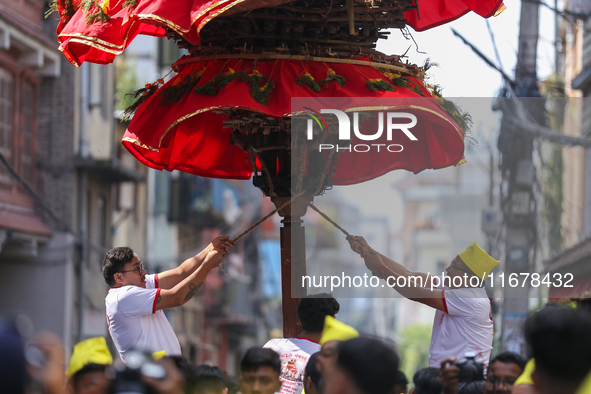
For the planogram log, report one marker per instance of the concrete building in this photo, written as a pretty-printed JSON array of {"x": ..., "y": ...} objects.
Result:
[
  {"x": 58, "y": 135},
  {"x": 574, "y": 260}
]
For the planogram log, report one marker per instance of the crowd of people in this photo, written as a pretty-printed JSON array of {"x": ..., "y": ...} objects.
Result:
[
  {"x": 328, "y": 357},
  {"x": 336, "y": 359}
]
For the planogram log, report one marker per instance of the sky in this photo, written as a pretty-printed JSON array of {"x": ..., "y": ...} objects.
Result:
[{"x": 461, "y": 72}]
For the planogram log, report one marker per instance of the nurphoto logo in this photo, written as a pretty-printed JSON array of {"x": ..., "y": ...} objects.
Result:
[{"x": 396, "y": 122}]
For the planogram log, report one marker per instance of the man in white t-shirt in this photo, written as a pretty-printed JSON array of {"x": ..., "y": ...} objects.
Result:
[
  {"x": 295, "y": 352},
  {"x": 135, "y": 300},
  {"x": 463, "y": 320}
]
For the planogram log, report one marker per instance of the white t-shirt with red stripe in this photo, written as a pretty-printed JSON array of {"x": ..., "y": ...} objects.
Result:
[
  {"x": 465, "y": 326},
  {"x": 294, "y": 354},
  {"x": 134, "y": 322}
]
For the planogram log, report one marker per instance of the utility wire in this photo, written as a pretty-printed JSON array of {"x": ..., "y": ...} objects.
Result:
[
  {"x": 568, "y": 16},
  {"x": 41, "y": 203},
  {"x": 494, "y": 42},
  {"x": 32, "y": 193},
  {"x": 522, "y": 118},
  {"x": 507, "y": 79}
]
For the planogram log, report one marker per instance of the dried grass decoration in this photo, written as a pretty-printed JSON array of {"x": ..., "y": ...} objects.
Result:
[
  {"x": 309, "y": 81},
  {"x": 144, "y": 93},
  {"x": 181, "y": 86}
]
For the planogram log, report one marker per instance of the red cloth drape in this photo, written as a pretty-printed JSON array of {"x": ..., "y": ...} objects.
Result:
[
  {"x": 433, "y": 13},
  {"x": 100, "y": 42},
  {"x": 189, "y": 137}
]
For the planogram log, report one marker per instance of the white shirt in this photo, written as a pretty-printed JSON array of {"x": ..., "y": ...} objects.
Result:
[
  {"x": 294, "y": 354},
  {"x": 134, "y": 322},
  {"x": 465, "y": 326}
]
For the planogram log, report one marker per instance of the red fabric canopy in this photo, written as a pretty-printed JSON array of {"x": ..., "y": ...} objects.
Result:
[
  {"x": 433, "y": 13},
  {"x": 187, "y": 136},
  {"x": 100, "y": 42}
]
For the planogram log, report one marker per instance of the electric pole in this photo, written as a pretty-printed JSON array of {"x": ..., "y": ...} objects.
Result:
[{"x": 518, "y": 205}]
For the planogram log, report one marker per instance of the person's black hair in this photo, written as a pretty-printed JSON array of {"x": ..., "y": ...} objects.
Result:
[
  {"x": 508, "y": 358},
  {"x": 311, "y": 371},
  {"x": 187, "y": 370},
  {"x": 257, "y": 357},
  {"x": 401, "y": 379},
  {"x": 209, "y": 379},
  {"x": 427, "y": 381},
  {"x": 584, "y": 305},
  {"x": 475, "y": 387},
  {"x": 13, "y": 364},
  {"x": 370, "y": 363},
  {"x": 560, "y": 340},
  {"x": 114, "y": 262},
  {"x": 314, "y": 308},
  {"x": 232, "y": 384},
  {"x": 90, "y": 367}
]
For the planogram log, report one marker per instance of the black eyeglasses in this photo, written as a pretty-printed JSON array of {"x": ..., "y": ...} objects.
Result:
[{"x": 138, "y": 269}]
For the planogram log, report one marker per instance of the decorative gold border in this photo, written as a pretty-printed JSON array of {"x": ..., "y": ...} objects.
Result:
[
  {"x": 92, "y": 44},
  {"x": 221, "y": 11},
  {"x": 140, "y": 144},
  {"x": 93, "y": 39},
  {"x": 381, "y": 108},
  {"x": 202, "y": 110},
  {"x": 67, "y": 55},
  {"x": 275, "y": 56},
  {"x": 211, "y": 7},
  {"x": 167, "y": 22}
]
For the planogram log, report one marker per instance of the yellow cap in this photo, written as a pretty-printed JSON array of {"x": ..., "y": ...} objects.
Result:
[
  {"x": 158, "y": 355},
  {"x": 478, "y": 260},
  {"x": 525, "y": 377},
  {"x": 335, "y": 330},
  {"x": 90, "y": 351}
]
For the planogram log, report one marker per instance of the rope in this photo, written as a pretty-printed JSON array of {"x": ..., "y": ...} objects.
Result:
[
  {"x": 329, "y": 219},
  {"x": 280, "y": 208},
  {"x": 261, "y": 221},
  {"x": 251, "y": 228}
]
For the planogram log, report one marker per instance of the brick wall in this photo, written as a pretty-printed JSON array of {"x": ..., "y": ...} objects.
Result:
[{"x": 55, "y": 139}]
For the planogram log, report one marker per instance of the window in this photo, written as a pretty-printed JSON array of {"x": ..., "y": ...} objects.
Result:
[{"x": 18, "y": 126}]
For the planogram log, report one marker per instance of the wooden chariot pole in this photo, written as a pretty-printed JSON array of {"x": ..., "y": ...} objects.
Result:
[{"x": 293, "y": 260}]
